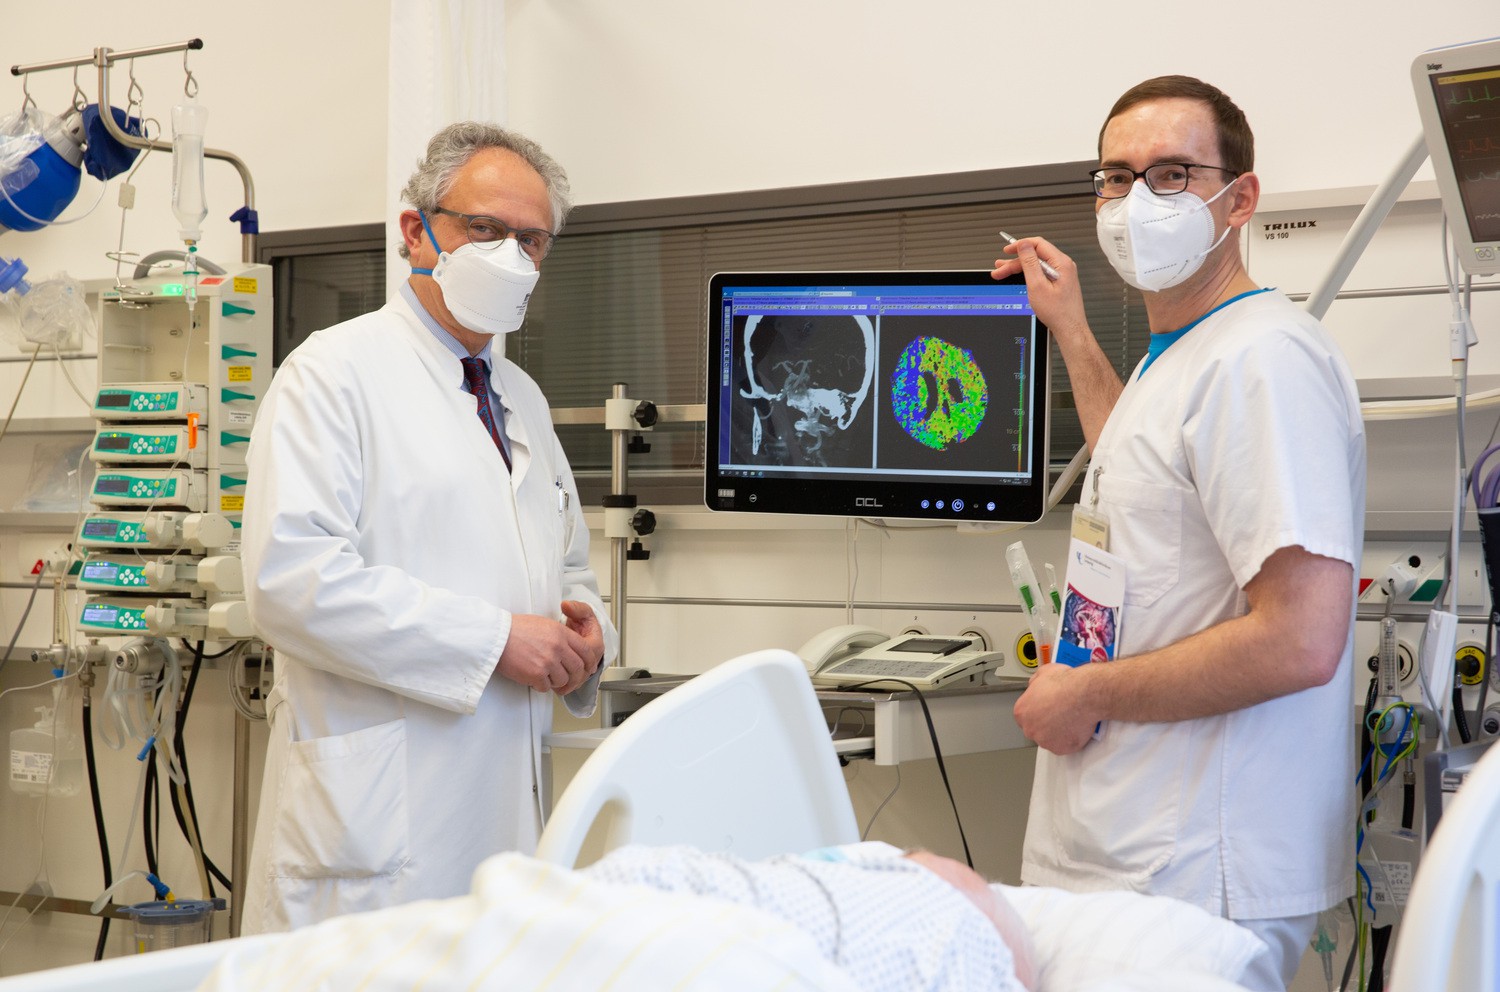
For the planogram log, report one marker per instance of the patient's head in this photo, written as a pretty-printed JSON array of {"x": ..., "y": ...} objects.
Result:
[{"x": 1000, "y": 912}]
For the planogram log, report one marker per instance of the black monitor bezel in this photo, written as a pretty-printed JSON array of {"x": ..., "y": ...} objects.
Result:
[{"x": 880, "y": 498}]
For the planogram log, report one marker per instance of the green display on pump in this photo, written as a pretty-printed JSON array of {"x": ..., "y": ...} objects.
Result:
[
  {"x": 113, "y": 531},
  {"x": 108, "y": 616},
  {"x": 113, "y": 574},
  {"x": 122, "y": 442},
  {"x": 136, "y": 487},
  {"x": 138, "y": 401}
]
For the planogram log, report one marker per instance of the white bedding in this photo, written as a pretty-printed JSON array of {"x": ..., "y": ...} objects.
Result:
[
  {"x": 1127, "y": 942},
  {"x": 529, "y": 925},
  {"x": 532, "y": 925}
]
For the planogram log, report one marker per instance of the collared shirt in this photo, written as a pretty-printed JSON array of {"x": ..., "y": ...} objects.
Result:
[{"x": 460, "y": 352}]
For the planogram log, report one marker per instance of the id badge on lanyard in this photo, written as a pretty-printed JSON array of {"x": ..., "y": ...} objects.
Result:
[
  {"x": 1094, "y": 603},
  {"x": 1089, "y": 525}
]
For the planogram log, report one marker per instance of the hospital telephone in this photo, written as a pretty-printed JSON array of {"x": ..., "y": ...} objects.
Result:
[{"x": 853, "y": 654}]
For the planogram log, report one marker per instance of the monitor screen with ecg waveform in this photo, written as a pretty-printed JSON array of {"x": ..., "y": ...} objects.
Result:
[{"x": 1458, "y": 94}]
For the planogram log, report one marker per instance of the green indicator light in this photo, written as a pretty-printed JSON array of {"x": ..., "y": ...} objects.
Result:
[{"x": 172, "y": 289}]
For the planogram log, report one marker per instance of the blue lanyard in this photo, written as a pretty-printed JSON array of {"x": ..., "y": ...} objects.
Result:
[{"x": 1161, "y": 342}]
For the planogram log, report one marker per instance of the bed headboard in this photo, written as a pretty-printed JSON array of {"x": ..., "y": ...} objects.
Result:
[{"x": 737, "y": 760}]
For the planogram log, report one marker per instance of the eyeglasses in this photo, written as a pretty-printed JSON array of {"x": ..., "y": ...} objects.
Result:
[
  {"x": 489, "y": 232},
  {"x": 1163, "y": 179}
]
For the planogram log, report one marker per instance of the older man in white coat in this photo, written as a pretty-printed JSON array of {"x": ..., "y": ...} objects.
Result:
[{"x": 418, "y": 558}]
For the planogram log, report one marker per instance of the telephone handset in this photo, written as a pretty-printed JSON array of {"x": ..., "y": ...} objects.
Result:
[
  {"x": 865, "y": 658},
  {"x": 828, "y": 647}
]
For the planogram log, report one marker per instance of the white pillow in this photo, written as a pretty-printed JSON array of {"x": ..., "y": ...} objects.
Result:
[{"x": 1097, "y": 940}]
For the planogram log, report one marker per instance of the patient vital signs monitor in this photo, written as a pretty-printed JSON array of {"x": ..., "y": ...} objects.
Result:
[
  {"x": 1458, "y": 94},
  {"x": 876, "y": 394}
]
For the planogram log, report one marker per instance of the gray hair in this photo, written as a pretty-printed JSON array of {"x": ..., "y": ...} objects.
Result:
[{"x": 452, "y": 147}]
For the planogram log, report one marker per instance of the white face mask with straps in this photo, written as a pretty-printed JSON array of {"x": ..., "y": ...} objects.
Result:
[
  {"x": 1155, "y": 242},
  {"x": 486, "y": 289}
]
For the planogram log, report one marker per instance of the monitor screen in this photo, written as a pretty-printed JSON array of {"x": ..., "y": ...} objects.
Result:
[
  {"x": 1458, "y": 94},
  {"x": 876, "y": 394}
]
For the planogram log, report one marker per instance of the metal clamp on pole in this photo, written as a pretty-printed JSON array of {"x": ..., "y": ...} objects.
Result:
[{"x": 624, "y": 523}]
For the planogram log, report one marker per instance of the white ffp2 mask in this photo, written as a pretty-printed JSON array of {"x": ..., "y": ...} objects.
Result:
[
  {"x": 486, "y": 289},
  {"x": 1156, "y": 242}
]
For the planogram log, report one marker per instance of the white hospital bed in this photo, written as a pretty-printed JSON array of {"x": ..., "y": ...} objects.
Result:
[
  {"x": 735, "y": 760},
  {"x": 1450, "y": 932},
  {"x": 668, "y": 775}
]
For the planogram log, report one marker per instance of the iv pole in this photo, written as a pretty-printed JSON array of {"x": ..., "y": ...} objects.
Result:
[{"x": 104, "y": 59}]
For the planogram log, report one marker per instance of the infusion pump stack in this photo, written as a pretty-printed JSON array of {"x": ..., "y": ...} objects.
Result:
[{"x": 181, "y": 376}]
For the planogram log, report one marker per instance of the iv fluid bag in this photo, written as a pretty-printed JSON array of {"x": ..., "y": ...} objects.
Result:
[
  {"x": 48, "y": 756},
  {"x": 188, "y": 203}
]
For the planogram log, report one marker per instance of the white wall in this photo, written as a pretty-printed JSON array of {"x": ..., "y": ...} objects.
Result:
[
  {"x": 659, "y": 98},
  {"x": 672, "y": 97}
]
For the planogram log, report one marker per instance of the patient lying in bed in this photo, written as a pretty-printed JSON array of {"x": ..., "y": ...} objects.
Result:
[
  {"x": 889, "y": 920},
  {"x": 863, "y": 917}
]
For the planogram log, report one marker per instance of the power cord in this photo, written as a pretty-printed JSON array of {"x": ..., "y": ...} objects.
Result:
[{"x": 937, "y": 752}]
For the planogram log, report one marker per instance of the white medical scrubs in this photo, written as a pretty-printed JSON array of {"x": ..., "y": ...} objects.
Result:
[
  {"x": 386, "y": 548},
  {"x": 1244, "y": 437}
]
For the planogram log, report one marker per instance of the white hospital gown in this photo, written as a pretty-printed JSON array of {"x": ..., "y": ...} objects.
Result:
[{"x": 891, "y": 924}]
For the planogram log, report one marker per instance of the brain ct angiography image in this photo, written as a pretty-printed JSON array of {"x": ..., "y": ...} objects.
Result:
[
  {"x": 801, "y": 382},
  {"x": 938, "y": 393}
]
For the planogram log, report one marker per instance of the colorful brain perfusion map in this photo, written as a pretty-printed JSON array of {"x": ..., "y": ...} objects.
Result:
[{"x": 938, "y": 393}]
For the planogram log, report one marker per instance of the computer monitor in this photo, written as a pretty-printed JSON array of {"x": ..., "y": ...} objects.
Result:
[
  {"x": 876, "y": 394},
  {"x": 1458, "y": 95}
]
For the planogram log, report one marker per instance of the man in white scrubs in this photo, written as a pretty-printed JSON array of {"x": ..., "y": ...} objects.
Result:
[
  {"x": 1230, "y": 472},
  {"x": 416, "y": 555}
]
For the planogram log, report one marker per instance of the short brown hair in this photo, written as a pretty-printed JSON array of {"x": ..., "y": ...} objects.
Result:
[{"x": 1236, "y": 142}]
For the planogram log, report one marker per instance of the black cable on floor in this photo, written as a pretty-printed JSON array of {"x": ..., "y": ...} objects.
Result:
[{"x": 93, "y": 773}]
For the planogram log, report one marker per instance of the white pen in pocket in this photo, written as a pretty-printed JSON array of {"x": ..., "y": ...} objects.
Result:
[
  {"x": 562, "y": 497},
  {"x": 1047, "y": 270}
]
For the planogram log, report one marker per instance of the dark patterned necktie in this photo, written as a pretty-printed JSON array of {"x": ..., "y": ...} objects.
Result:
[{"x": 477, "y": 382}]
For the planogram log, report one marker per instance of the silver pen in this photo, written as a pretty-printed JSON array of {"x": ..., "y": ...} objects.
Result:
[{"x": 1047, "y": 270}]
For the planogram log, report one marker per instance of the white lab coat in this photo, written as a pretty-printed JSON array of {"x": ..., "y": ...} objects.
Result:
[{"x": 385, "y": 547}]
